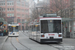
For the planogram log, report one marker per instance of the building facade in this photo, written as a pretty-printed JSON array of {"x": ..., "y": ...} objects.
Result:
[{"x": 16, "y": 11}]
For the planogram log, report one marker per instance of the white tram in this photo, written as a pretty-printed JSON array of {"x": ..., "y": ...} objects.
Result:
[
  {"x": 13, "y": 29},
  {"x": 48, "y": 29}
]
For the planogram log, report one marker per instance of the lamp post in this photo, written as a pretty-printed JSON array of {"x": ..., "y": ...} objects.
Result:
[{"x": 24, "y": 22}]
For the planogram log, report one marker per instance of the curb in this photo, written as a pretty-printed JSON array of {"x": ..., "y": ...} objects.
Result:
[{"x": 3, "y": 42}]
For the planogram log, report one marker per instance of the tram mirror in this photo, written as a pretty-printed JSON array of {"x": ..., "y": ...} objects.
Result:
[{"x": 36, "y": 25}]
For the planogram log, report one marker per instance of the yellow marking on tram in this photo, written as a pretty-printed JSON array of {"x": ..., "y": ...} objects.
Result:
[{"x": 13, "y": 26}]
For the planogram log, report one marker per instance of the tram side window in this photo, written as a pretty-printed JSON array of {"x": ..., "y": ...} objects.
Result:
[
  {"x": 38, "y": 28},
  {"x": 31, "y": 28},
  {"x": 35, "y": 28}
]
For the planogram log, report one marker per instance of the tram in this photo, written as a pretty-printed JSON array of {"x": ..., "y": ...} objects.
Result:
[
  {"x": 48, "y": 29},
  {"x": 13, "y": 29}
]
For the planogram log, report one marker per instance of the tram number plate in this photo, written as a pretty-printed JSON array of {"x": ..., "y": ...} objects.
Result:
[{"x": 51, "y": 37}]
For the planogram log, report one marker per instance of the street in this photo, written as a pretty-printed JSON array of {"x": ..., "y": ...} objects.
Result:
[
  {"x": 24, "y": 43},
  {"x": 46, "y": 20}
]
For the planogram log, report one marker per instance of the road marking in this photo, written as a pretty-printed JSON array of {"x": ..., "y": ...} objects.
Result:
[{"x": 17, "y": 39}]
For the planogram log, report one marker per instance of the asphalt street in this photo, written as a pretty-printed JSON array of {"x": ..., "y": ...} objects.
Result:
[
  {"x": 2, "y": 38},
  {"x": 24, "y": 43}
]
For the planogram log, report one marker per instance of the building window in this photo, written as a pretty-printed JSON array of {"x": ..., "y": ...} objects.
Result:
[
  {"x": 26, "y": 4},
  {"x": 7, "y": 3},
  {"x": 22, "y": 20},
  {"x": 2, "y": 0},
  {"x": 10, "y": 3},
  {"x": 10, "y": 14},
  {"x": 2, "y": 4},
  {"x": 3, "y": 9},
  {"x": 10, "y": 9}
]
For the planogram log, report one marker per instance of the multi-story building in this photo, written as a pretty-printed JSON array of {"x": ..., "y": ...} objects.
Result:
[
  {"x": 16, "y": 11},
  {"x": 31, "y": 6}
]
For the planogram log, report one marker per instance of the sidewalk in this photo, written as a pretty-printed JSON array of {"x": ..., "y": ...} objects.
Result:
[
  {"x": 2, "y": 40},
  {"x": 68, "y": 38}
]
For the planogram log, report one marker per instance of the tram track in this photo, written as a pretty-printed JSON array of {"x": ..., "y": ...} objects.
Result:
[
  {"x": 52, "y": 45},
  {"x": 19, "y": 43},
  {"x": 25, "y": 34},
  {"x": 60, "y": 47}
]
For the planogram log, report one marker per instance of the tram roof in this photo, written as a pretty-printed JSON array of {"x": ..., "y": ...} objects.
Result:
[{"x": 51, "y": 18}]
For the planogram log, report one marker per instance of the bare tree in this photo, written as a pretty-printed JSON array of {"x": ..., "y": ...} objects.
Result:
[
  {"x": 59, "y": 5},
  {"x": 39, "y": 9}
]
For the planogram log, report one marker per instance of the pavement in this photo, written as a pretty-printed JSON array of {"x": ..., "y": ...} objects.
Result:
[
  {"x": 2, "y": 40},
  {"x": 23, "y": 43}
]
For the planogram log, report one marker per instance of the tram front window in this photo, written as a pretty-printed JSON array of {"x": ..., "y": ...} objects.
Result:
[
  {"x": 10, "y": 29},
  {"x": 50, "y": 26},
  {"x": 15, "y": 29}
]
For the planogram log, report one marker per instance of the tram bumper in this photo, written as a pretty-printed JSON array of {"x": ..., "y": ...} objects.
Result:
[{"x": 51, "y": 40}]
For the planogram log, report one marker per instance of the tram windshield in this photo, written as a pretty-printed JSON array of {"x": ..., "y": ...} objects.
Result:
[
  {"x": 13, "y": 29},
  {"x": 50, "y": 26},
  {"x": 10, "y": 29}
]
